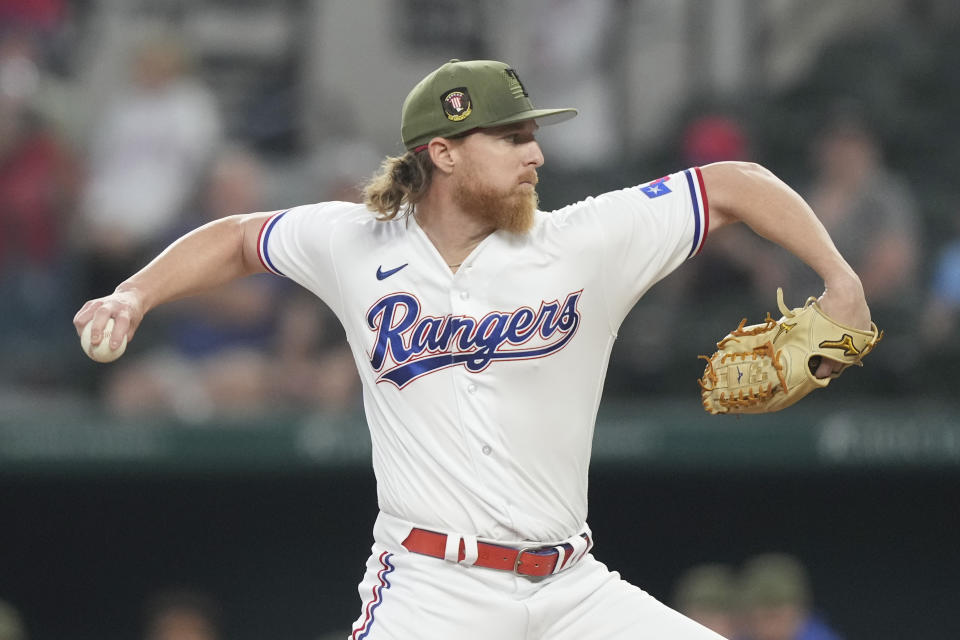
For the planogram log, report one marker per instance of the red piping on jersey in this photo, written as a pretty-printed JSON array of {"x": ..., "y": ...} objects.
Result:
[
  {"x": 259, "y": 240},
  {"x": 263, "y": 228},
  {"x": 706, "y": 208}
]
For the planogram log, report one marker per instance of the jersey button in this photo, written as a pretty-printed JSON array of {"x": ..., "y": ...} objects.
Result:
[
  {"x": 471, "y": 388},
  {"x": 464, "y": 295},
  {"x": 487, "y": 450}
]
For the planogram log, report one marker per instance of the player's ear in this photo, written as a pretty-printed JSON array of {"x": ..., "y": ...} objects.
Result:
[{"x": 441, "y": 153}]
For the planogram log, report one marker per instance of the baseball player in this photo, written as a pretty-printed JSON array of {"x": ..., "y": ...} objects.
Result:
[{"x": 481, "y": 328}]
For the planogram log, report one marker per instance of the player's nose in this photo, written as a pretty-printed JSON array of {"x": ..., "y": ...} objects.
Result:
[{"x": 534, "y": 154}]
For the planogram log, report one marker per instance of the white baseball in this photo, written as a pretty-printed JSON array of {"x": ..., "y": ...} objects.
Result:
[{"x": 102, "y": 352}]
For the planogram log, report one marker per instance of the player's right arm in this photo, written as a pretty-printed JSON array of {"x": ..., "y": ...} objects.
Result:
[{"x": 203, "y": 259}]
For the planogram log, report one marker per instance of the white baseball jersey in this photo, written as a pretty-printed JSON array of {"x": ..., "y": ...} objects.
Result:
[{"x": 481, "y": 387}]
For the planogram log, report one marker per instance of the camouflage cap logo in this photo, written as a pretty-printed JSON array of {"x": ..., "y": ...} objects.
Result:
[
  {"x": 456, "y": 104},
  {"x": 513, "y": 83}
]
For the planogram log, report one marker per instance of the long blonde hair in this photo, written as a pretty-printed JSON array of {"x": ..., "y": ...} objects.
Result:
[{"x": 400, "y": 184}]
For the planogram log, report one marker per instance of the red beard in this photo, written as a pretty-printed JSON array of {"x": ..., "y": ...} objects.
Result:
[{"x": 511, "y": 211}]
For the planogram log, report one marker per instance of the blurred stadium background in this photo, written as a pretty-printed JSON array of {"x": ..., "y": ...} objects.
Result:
[{"x": 225, "y": 455}]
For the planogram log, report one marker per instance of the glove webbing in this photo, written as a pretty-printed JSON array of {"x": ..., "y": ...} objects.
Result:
[{"x": 746, "y": 397}]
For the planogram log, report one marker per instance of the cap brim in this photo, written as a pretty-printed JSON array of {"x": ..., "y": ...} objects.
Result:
[{"x": 543, "y": 117}]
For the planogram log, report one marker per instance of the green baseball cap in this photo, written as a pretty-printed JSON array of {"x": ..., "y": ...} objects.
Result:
[
  {"x": 774, "y": 579},
  {"x": 464, "y": 95},
  {"x": 706, "y": 586},
  {"x": 11, "y": 624}
]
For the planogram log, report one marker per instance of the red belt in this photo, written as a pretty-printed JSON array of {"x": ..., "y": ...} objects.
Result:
[{"x": 528, "y": 561}]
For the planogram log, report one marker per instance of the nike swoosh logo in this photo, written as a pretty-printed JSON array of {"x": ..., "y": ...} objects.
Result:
[{"x": 383, "y": 275}]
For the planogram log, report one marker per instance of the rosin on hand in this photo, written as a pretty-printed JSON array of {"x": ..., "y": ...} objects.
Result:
[{"x": 101, "y": 352}]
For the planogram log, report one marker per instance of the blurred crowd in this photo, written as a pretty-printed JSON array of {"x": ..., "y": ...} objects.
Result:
[
  {"x": 770, "y": 597},
  {"x": 170, "y": 614},
  {"x": 80, "y": 213},
  {"x": 87, "y": 200},
  {"x": 870, "y": 212}
]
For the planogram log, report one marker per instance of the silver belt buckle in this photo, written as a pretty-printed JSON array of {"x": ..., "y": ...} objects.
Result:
[{"x": 516, "y": 565}]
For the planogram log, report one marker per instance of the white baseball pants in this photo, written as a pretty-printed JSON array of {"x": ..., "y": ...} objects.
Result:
[{"x": 408, "y": 596}]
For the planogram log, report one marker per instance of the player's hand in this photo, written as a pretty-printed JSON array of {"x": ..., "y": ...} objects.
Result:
[
  {"x": 846, "y": 305},
  {"x": 126, "y": 309}
]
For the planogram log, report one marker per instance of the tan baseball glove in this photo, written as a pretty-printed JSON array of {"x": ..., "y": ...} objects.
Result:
[{"x": 767, "y": 367}]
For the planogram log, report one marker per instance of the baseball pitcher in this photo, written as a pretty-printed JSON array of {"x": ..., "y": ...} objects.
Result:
[{"x": 481, "y": 328}]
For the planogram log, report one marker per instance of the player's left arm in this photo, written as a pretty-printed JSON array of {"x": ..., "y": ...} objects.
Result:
[{"x": 749, "y": 193}]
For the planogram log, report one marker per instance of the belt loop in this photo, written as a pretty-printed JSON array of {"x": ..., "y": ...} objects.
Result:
[
  {"x": 581, "y": 543},
  {"x": 561, "y": 557},
  {"x": 470, "y": 549},
  {"x": 588, "y": 534},
  {"x": 452, "y": 550},
  {"x": 589, "y": 545}
]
